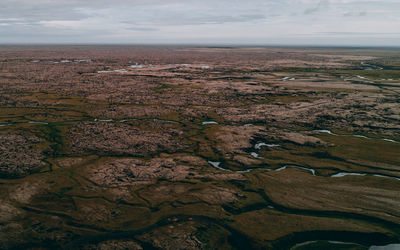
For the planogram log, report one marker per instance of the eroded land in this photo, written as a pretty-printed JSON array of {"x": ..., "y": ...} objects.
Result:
[{"x": 199, "y": 148}]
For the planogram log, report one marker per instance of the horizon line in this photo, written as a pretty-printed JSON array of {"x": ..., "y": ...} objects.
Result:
[{"x": 217, "y": 45}]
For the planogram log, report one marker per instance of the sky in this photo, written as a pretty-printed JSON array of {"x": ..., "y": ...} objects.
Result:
[{"x": 247, "y": 22}]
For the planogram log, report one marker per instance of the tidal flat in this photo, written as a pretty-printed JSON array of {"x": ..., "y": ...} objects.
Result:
[{"x": 179, "y": 147}]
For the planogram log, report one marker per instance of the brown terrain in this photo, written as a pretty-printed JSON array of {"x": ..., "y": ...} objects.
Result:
[{"x": 123, "y": 147}]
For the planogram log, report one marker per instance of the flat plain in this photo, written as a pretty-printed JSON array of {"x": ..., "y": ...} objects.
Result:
[{"x": 144, "y": 147}]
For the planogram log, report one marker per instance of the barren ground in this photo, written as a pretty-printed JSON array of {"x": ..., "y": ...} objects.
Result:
[{"x": 199, "y": 148}]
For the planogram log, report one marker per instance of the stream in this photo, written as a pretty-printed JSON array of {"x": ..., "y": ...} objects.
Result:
[
  {"x": 217, "y": 165},
  {"x": 355, "y": 135}
]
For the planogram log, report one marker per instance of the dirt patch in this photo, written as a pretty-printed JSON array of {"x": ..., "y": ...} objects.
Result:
[
  {"x": 121, "y": 139},
  {"x": 113, "y": 245},
  {"x": 128, "y": 172},
  {"x": 180, "y": 235},
  {"x": 18, "y": 155}
]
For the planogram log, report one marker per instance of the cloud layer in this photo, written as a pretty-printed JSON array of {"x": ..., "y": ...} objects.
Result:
[{"x": 286, "y": 22}]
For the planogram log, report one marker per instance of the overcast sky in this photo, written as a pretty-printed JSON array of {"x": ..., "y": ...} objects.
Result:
[{"x": 268, "y": 22}]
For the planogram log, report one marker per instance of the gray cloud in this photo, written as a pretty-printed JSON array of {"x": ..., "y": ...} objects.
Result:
[
  {"x": 352, "y": 14},
  {"x": 322, "y": 4},
  {"x": 360, "y": 33},
  {"x": 177, "y": 21}
]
